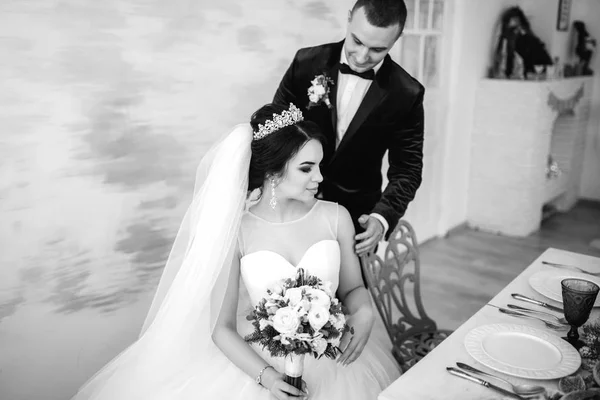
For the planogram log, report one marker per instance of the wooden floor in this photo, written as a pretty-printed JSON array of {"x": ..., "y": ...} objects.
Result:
[{"x": 462, "y": 272}]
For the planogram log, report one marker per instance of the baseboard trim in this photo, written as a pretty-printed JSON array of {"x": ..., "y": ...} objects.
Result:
[{"x": 588, "y": 202}]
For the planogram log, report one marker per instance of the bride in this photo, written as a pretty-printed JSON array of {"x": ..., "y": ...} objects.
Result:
[{"x": 226, "y": 255}]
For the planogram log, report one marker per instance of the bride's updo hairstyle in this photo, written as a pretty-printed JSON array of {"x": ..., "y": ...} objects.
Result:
[{"x": 271, "y": 153}]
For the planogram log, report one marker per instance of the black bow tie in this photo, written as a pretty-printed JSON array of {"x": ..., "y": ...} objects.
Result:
[{"x": 345, "y": 69}]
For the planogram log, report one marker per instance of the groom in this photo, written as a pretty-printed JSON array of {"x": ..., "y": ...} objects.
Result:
[{"x": 366, "y": 104}]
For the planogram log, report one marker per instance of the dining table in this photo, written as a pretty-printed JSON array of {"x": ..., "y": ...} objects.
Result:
[{"x": 430, "y": 379}]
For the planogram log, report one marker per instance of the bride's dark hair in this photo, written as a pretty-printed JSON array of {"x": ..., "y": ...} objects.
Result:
[{"x": 271, "y": 153}]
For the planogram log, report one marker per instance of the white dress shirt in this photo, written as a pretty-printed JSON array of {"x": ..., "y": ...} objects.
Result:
[{"x": 351, "y": 92}]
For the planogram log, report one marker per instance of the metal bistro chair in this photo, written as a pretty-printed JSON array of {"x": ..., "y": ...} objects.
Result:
[{"x": 395, "y": 288}]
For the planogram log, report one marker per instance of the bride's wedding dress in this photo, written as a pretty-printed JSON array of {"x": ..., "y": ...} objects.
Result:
[{"x": 272, "y": 252}]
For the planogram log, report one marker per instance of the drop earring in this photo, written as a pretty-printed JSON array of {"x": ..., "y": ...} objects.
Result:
[{"x": 273, "y": 201}]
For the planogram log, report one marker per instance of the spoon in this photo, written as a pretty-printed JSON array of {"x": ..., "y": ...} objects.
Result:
[
  {"x": 548, "y": 324},
  {"x": 521, "y": 389},
  {"x": 524, "y": 309}
]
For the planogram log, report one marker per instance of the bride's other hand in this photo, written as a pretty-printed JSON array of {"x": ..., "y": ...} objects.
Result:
[
  {"x": 361, "y": 323},
  {"x": 273, "y": 381}
]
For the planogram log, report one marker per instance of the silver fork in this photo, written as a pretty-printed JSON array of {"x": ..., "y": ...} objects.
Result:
[
  {"x": 548, "y": 324},
  {"x": 556, "y": 265},
  {"x": 526, "y": 310}
]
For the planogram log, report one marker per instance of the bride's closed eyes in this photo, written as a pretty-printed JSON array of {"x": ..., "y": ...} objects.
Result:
[{"x": 307, "y": 166}]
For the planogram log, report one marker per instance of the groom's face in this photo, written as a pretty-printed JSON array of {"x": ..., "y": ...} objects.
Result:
[{"x": 366, "y": 45}]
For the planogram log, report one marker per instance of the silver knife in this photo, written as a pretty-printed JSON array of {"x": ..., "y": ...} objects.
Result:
[
  {"x": 537, "y": 302},
  {"x": 469, "y": 377},
  {"x": 572, "y": 267}
]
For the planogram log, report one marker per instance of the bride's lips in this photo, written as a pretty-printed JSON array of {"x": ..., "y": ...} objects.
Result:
[{"x": 313, "y": 190}]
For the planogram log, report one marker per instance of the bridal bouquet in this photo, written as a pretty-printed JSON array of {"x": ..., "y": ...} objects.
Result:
[{"x": 297, "y": 317}]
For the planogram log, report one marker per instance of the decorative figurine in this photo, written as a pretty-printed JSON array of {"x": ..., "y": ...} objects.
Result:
[
  {"x": 585, "y": 48},
  {"x": 517, "y": 40}
]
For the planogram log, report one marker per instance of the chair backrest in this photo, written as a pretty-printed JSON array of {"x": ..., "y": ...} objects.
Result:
[{"x": 394, "y": 285}]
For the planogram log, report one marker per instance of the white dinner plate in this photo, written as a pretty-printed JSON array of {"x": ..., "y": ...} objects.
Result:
[
  {"x": 547, "y": 282},
  {"x": 523, "y": 351}
]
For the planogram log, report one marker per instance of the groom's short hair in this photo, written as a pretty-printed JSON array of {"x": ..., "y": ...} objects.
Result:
[{"x": 383, "y": 13}]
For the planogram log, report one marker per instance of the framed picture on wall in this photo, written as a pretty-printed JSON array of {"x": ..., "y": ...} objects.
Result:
[{"x": 564, "y": 11}]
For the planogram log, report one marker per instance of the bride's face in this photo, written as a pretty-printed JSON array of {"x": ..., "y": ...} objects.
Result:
[{"x": 302, "y": 175}]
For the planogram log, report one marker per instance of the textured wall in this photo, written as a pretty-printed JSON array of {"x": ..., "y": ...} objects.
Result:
[{"x": 107, "y": 107}]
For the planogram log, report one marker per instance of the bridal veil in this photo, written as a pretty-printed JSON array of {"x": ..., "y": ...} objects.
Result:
[{"x": 176, "y": 336}]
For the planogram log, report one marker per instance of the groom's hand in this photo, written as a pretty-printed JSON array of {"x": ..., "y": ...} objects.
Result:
[{"x": 367, "y": 240}]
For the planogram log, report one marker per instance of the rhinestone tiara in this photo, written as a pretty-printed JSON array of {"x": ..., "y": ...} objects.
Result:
[{"x": 286, "y": 118}]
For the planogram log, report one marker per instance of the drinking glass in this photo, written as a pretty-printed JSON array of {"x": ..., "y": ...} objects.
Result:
[{"x": 579, "y": 297}]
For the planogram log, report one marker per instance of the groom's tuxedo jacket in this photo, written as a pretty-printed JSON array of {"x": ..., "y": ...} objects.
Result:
[{"x": 390, "y": 117}]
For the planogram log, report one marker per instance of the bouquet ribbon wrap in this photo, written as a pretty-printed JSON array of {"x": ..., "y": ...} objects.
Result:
[{"x": 293, "y": 368}]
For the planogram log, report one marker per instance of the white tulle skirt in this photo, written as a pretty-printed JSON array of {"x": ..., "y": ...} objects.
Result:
[
  {"x": 364, "y": 379},
  {"x": 215, "y": 377}
]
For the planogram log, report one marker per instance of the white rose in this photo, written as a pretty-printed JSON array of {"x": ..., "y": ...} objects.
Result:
[
  {"x": 335, "y": 342},
  {"x": 263, "y": 323},
  {"x": 319, "y": 298},
  {"x": 277, "y": 291},
  {"x": 302, "y": 308},
  {"x": 275, "y": 297},
  {"x": 317, "y": 317},
  {"x": 271, "y": 303},
  {"x": 283, "y": 339},
  {"x": 332, "y": 319},
  {"x": 319, "y": 90},
  {"x": 337, "y": 321},
  {"x": 313, "y": 98},
  {"x": 286, "y": 321},
  {"x": 294, "y": 295},
  {"x": 319, "y": 345}
]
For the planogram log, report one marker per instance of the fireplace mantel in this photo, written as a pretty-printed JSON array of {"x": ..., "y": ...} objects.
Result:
[{"x": 517, "y": 124}]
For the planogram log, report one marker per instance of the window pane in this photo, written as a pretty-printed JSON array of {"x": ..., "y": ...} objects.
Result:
[
  {"x": 438, "y": 14},
  {"x": 431, "y": 62},
  {"x": 423, "y": 14},
  {"x": 409, "y": 55},
  {"x": 410, "y": 17}
]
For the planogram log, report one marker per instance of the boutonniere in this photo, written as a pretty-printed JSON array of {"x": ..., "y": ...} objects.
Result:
[{"x": 318, "y": 92}]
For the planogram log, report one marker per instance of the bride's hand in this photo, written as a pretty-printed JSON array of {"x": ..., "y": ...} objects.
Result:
[
  {"x": 362, "y": 323},
  {"x": 273, "y": 381}
]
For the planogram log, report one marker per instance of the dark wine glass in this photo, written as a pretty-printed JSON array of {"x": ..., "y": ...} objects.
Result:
[{"x": 579, "y": 297}]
